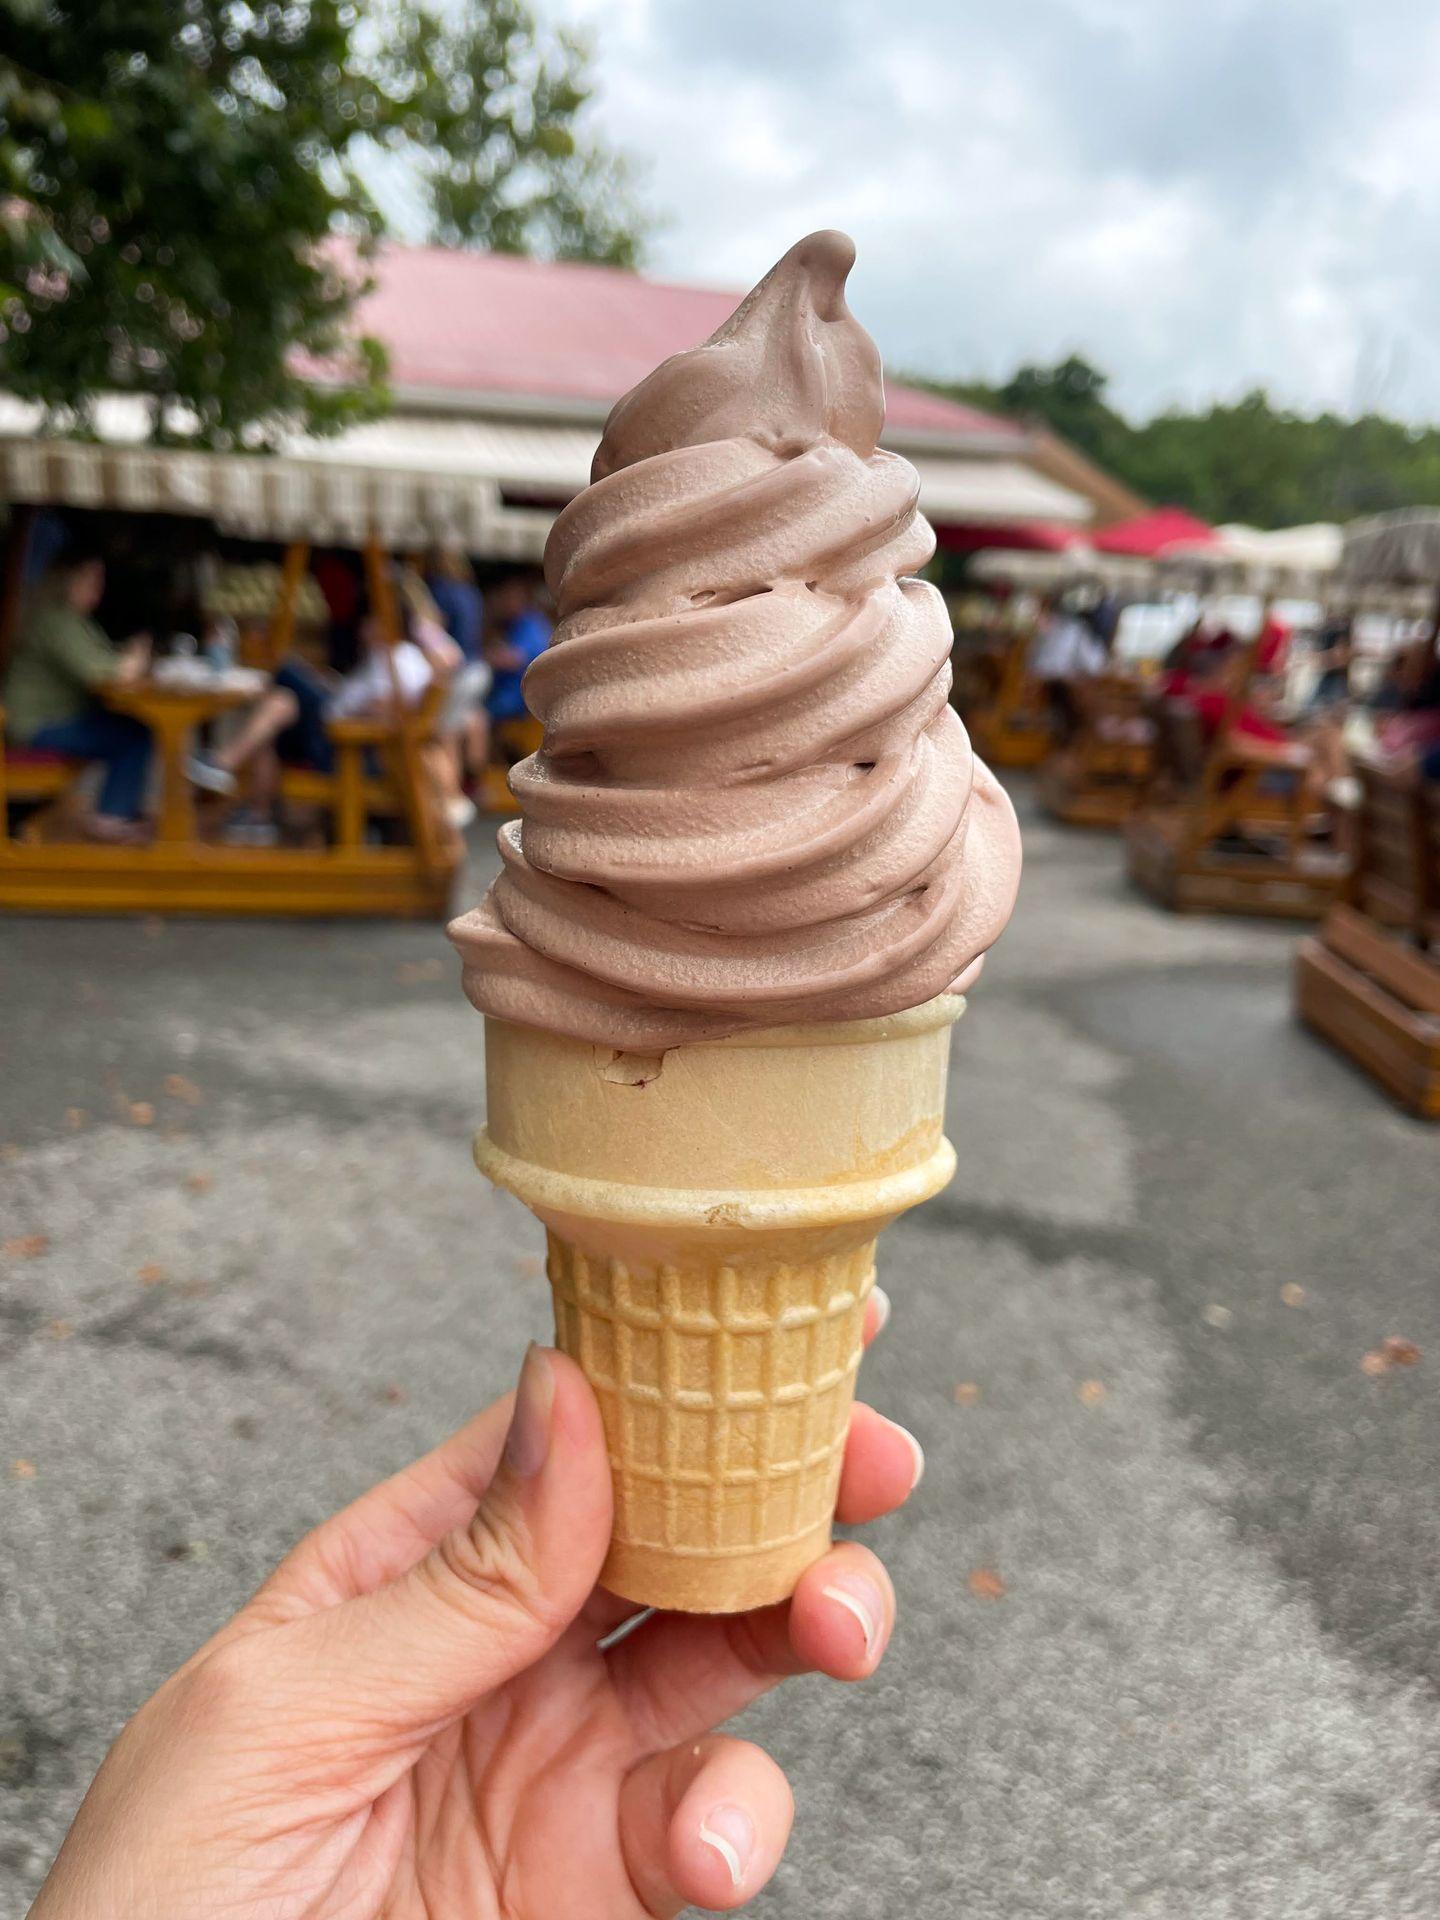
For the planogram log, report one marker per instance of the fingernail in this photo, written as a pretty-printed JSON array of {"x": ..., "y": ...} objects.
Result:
[
  {"x": 528, "y": 1440},
  {"x": 882, "y": 1308},
  {"x": 731, "y": 1832},
  {"x": 861, "y": 1598},
  {"x": 916, "y": 1450}
]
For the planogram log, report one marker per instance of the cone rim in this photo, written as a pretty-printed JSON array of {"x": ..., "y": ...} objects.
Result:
[{"x": 547, "y": 1190}]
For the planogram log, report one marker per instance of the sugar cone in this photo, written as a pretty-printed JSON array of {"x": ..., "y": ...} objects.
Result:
[{"x": 711, "y": 1214}]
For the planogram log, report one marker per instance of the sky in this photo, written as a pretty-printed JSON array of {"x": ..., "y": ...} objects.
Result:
[{"x": 1201, "y": 198}]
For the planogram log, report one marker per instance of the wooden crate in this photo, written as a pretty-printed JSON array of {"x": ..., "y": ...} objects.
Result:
[
  {"x": 1163, "y": 862},
  {"x": 1377, "y": 999}
]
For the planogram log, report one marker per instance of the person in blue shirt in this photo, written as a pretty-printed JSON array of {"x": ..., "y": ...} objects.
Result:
[
  {"x": 452, "y": 587},
  {"x": 518, "y": 633}
]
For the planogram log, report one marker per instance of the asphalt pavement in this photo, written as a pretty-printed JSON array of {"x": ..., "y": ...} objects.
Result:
[{"x": 1169, "y": 1639}]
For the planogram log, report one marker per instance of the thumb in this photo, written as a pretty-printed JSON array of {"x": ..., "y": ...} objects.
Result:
[{"x": 495, "y": 1594}]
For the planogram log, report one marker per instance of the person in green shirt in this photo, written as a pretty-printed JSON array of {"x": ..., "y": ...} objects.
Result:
[{"x": 62, "y": 658}]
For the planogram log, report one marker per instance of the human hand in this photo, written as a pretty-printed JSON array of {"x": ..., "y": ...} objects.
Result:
[{"x": 415, "y": 1718}]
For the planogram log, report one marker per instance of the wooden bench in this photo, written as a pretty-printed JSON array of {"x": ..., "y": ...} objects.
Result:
[
  {"x": 1013, "y": 729},
  {"x": 355, "y": 793},
  {"x": 1217, "y": 833},
  {"x": 1102, "y": 775},
  {"x": 1369, "y": 982},
  {"x": 32, "y": 776}
]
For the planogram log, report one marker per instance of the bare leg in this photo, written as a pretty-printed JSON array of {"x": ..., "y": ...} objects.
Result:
[
  {"x": 477, "y": 743},
  {"x": 265, "y": 721}
]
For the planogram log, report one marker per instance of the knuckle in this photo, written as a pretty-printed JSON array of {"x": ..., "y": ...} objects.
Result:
[{"x": 488, "y": 1568}]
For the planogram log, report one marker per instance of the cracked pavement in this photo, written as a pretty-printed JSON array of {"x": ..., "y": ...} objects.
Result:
[{"x": 1208, "y": 1686}]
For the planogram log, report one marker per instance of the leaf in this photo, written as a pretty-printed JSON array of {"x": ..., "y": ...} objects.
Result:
[
  {"x": 967, "y": 1393},
  {"x": 179, "y": 1088},
  {"x": 75, "y": 1118},
  {"x": 1292, "y": 1295},
  {"x": 1091, "y": 1392},
  {"x": 142, "y": 1114},
  {"x": 1400, "y": 1353},
  {"x": 22, "y": 1470},
  {"x": 986, "y": 1584},
  {"x": 151, "y": 1274},
  {"x": 27, "y": 1246}
]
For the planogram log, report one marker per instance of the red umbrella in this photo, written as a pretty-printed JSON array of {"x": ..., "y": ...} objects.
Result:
[{"x": 1150, "y": 533}]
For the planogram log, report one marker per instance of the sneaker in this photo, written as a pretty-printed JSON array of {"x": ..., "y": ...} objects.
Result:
[
  {"x": 460, "y": 812},
  {"x": 201, "y": 771},
  {"x": 247, "y": 828}
]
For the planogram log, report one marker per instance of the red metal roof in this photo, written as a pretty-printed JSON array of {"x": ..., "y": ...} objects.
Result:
[{"x": 492, "y": 323}]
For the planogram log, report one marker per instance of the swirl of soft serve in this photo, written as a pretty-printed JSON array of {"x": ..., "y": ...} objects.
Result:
[{"x": 753, "y": 804}]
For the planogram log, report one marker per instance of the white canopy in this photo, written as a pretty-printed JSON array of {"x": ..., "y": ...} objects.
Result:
[{"x": 1285, "y": 557}]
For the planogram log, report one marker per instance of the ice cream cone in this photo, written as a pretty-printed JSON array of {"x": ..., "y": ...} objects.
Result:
[{"x": 711, "y": 1213}]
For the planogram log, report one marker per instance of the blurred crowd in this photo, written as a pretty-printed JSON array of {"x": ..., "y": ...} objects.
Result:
[{"x": 443, "y": 643}]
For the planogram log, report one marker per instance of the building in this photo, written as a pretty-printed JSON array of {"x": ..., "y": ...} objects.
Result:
[{"x": 503, "y": 370}]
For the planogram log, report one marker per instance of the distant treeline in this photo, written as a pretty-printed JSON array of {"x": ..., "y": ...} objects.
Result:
[{"x": 1245, "y": 460}]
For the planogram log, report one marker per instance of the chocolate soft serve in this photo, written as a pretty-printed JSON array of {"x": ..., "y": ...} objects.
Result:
[{"x": 754, "y": 805}]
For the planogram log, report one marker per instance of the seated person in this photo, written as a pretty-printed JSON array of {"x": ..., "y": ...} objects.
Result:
[
  {"x": 518, "y": 633},
  {"x": 293, "y": 729},
  {"x": 1067, "y": 648},
  {"x": 1333, "y": 656},
  {"x": 1411, "y": 701},
  {"x": 464, "y": 725},
  {"x": 62, "y": 659}
]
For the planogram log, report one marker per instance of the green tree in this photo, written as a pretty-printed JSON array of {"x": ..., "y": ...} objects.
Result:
[
  {"x": 185, "y": 213},
  {"x": 1245, "y": 459}
]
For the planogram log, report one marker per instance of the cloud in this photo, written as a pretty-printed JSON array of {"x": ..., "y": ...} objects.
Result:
[{"x": 1202, "y": 199}]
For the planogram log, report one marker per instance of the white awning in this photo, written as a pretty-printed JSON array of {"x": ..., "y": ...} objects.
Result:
[
  {"x": 1263, "y": 560},
  {"x": 992, "y": 493},
  {"x": 410, "y": 478}
]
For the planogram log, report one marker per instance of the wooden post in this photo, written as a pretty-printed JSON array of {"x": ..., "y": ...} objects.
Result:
[
  {"x": 282, "y": 627},
  {"x": 349, "y": 797},
  {"x": 417, "y": 809}
]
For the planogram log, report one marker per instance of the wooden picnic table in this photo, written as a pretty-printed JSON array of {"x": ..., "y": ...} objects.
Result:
[{"x": 174, "y": 711}]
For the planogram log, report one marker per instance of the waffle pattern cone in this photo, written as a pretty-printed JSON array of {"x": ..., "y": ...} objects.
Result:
[
  {"x": 726, "y": 1390},
  {"x": 712, "y": 1215}
]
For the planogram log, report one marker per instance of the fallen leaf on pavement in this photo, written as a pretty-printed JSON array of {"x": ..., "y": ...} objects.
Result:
[
  {"x": 179, "y": 1088},
  {"x": 986, "y": 1584},
  {"x": 1092, "y": 1392},
  {"x": 1400, "y": 1353},
  {"x": 967, "y": 1392},
  {"x": 22, "y": 1470},
  {"x": 1292, "y": 1295},
  {"x": 1217, "y": 1316},
  {"x": 1374, "y": 1363},
  {"x": 75, "y": 1117},
  {"x": 142, "y": 1113},
  {"x": 27, "y": 1246},
  {"x": 151, "y": 1274}
]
